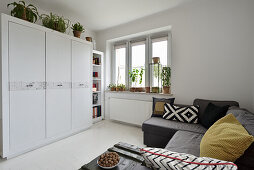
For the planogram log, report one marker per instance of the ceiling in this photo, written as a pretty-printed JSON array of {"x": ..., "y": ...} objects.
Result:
[{"x": 102, "y": 14}]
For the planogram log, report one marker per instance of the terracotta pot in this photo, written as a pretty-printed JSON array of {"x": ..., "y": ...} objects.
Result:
[
  {"x": 89, "y": 39},
  {"x": 24, "y": 15},
  {"x": 147, "y": 89},
  {"x": 156, "y": 60},
  {"x": 140, "y": 89},
  {"x": 117, "y": 89},
  {"x": 77, "y": 33},
  {"x": 132, "y": 89},
  {"x": 166, "y": 90},
  {"x": 155, "y": 89},
  {"x": 113, "y": 89}
]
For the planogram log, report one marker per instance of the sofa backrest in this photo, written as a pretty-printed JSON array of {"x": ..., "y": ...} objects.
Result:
[{"x": 202, "y": 103}]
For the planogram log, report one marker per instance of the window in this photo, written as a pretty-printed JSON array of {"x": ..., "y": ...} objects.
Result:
[
  {"x": 137, "y": 54},
  {"x": 160, "y": 49},
  {"x": 138, "y": 58},
  {"x": 120, "y": 59}
]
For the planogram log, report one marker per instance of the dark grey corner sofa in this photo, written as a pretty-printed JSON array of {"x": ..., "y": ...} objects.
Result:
[{"x": 185, "y": 138}]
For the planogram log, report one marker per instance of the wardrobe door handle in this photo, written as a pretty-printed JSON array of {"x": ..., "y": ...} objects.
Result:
[{"x": 29, "y": 85}]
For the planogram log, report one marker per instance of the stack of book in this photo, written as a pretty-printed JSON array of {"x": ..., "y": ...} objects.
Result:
[{"x": 96, "y": 111}]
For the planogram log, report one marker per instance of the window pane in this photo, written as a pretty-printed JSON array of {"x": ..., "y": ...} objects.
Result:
[
  {"x": 160, "y": 49},
  {"x": 138, "y": 62},
  {"x": 120, "y": 65}
]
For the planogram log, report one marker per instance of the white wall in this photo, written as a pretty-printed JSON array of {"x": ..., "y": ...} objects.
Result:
[
  {"x": 212, "y": 50},
  {"x": 4, "y": 9}
]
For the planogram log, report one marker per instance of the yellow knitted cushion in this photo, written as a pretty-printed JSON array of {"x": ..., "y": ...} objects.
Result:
[
  {"x": 159, "y": 108},
  {"x": 226, "y": 140}
]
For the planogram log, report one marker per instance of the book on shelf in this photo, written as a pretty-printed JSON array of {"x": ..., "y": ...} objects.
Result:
[
  {"x": 95, "y": 74},
  {"x": 96, "y": 60},
  {"x": 96, "y": 111},
  {"x": 95, "y": 87}
]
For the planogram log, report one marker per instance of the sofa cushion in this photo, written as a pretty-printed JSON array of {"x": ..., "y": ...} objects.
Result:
[
  {"x": 157, "y": 111},
  {"x": 185, "y": 142},
  {"x": 212, "y": 114},
  {"x": 226, "y": 139},
  {"x": 181, "y": 114},
  {"x": 202, "y": 103},
  {"x": 164, "y": 127},
  {"x": 157, "y": 158}
]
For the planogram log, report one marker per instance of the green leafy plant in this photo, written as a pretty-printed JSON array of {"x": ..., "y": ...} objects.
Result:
[
  {"x": 111, "y": 85},
  {"x": 136, "y": 74},
  {"x": 77, "y": 27},
  {"x": 166, "y": 75},
  {"x": 55, "y": 22},
  {"x": 121, "y": 86},
  {"x": 141, "y": 75},
  {"x": 22, "y": 11}
]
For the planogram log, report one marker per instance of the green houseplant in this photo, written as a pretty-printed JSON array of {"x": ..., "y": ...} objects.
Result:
[
  {"x": 121, "y": 87},
  {"x": 165, "y": 76},
  {"x": 77, "y": 29},
  {"x": 112, "y": 87},
  {"x": 55, "y": 22},
  {"x": 20, "y": 10},
  {"x": 136, "y": 76}
]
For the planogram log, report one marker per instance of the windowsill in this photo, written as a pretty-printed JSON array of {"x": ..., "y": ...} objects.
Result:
[{"x": 136, "y": 95}]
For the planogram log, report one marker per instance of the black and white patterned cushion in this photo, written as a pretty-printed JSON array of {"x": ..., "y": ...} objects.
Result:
[
  {"x": 182, "y": 114},
  {"x": 156, "y": 158}
]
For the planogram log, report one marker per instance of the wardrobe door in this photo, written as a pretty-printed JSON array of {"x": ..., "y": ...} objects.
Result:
[
  {"x": 26, "y": 80},
  {"x": 81, "y": 85},
  {"x": 58, "y": 78}
]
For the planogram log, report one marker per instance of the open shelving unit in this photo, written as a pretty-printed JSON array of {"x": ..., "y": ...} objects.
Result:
[{"x": 98, "y": 86}]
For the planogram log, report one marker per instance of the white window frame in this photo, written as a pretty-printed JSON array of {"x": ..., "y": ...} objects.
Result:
[{"x": 148, "y": 52}]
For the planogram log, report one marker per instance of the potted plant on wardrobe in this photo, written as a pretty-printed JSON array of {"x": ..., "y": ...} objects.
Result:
[
  {"x": 20, "y": 10},
  {"x": 77, "y": 29},
  {"x": 55, "y": 22},
  {"x": 166, "y": 75}
]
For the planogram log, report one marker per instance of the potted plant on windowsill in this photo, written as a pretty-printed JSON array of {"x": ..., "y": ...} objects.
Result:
[
  {"x": 121, "y": 87},
  {"x": 112, "y": 87},
  {"x": 136, "y": 76},
  {"x": 20, "y": 10},
  {"x": 166, "y": 75},
  {"x": 77, "y": 29}
]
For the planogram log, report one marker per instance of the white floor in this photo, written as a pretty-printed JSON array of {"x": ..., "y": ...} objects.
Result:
[{"x": 71, "y": 153}]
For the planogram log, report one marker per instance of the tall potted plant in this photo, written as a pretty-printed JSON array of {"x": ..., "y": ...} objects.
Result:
[
  {"x": 77, "y": 29},
  {"x": 166, "y": 75},
  {"x": 20, "y": 10}
]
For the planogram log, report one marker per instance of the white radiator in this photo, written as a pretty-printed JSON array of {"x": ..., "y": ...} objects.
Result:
[{"x": 130, "y": 111}]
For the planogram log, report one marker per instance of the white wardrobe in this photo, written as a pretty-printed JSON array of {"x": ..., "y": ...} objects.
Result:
[{"x": 46, "y": 86}]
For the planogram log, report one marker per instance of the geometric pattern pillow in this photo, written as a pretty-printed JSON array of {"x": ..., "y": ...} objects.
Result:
[
  {"x": 187, "y": 114},
  {"x": 156, "y": 158}
]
